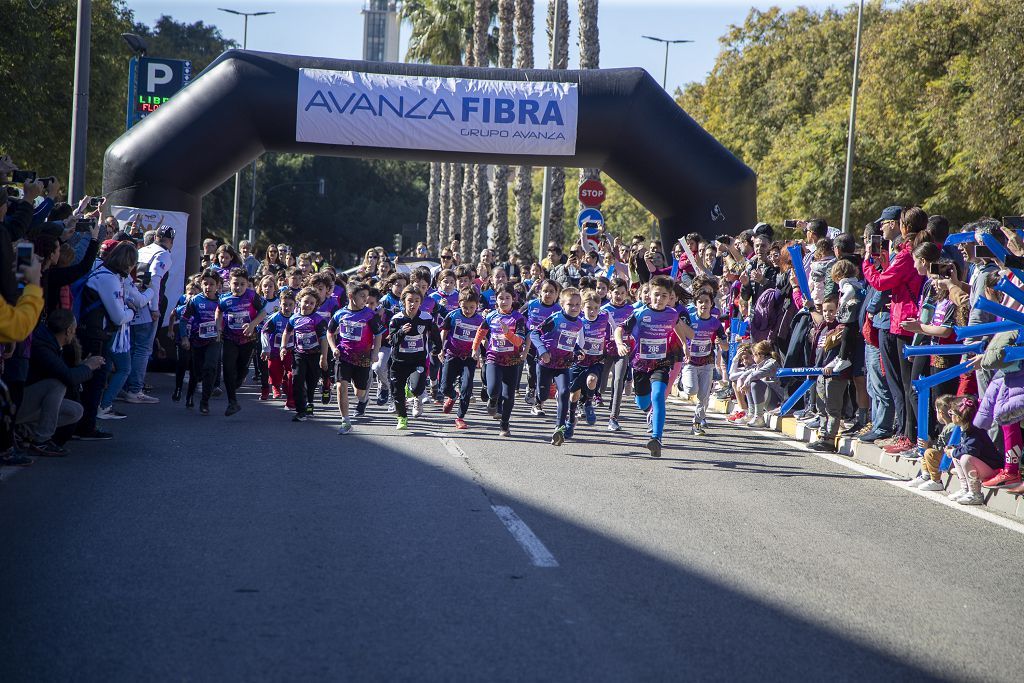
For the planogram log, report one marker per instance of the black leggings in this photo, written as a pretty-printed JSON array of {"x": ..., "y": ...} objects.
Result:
[
  {"x": 236, "y": 366},
  {"x": 182, "y": 363},
  {"x": 307, "y": 374},
  {"x": 502, "y": 382},
  {"x": 398, "y": 376},
  {"x": 205, "y": 360},
  {"x": 561, "y": 378},
  {"x": 459, "y": 370}
]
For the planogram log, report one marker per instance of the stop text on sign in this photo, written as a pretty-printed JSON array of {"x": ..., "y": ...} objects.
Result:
[{"x": 592, "y": 192}]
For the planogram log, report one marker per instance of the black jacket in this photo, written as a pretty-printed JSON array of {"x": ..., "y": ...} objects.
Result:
[{"x": 47, "y": 361}]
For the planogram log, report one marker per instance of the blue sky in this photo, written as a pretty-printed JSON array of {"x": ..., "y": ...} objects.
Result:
[{"x": 333, "y": 28}]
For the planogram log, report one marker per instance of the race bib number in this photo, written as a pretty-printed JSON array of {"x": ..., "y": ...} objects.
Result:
[
  {"x": 208, "y": 330},
  {"x": 237, "y": 320},
  {"x": 566, "y": 341},
  {"x": 464, "y": 333},
  {"x": 278, "y": 338},
  {"x": 351, "y": 331},
  {"x": 700, "y": 347},
  {"x": 653, "y": 349},
  {"x": 413, "y": 343},
  {"x": 593, "y": 347},
  {"x": 500, "y": 343},
  {"x": 305, "y": 340}
]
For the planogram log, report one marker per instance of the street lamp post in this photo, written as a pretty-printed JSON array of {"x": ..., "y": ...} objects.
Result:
[
  {"x": 853, "y": 123},
  {"x": 238, "y": 174},
  {"x": 664, "y": 78},
  {"x": 80, "y": 103},
  {"x": 545, "y": 197}
]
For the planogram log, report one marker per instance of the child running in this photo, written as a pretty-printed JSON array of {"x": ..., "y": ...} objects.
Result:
[
  {"x": 354, "y": 334},
  {"x": 589, "y": 363},
  {"x": 279, "y": 365},
  {"x": 504, "y": 330},
  {"x": 536, "y": 312},
  {"x": 411, "y": 336},
  {"x": 555, "y": 344},
  {"x": 241, "y": 310},
  {"x": 308, "y": 331},
  {"x": 458, "y": 332},
  {"x": 201, "y": 312},
  {"x": 651, "y": 327},
  {"x": 618, "y": 309},
  {"x": 703, "y": 353}
]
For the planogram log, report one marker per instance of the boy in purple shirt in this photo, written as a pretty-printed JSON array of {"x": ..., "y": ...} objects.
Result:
[
  {"x": 589, "y": 363},
  {"x": 555, "y": 343},
  {"x": 354, "y": 335},
  {"x": 308, "y": 331},
  {"x": 652, "y": 327},
  {"x": 241, "y": 312}
]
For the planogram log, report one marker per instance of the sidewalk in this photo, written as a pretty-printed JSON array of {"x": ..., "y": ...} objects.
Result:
[{"x": 996, "y": 500}]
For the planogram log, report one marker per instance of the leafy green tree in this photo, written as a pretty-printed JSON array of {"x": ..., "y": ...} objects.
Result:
[
  {"x": 37, "y": 66},
  {"x": 198, "y": 42}
]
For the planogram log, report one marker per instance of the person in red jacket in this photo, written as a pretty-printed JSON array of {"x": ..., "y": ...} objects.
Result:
[{"x": 908, "y": 228}]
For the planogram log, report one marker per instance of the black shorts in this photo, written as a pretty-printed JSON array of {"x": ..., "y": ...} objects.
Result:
[
  {"x": 578, "y": 375},
  {"x": 356, "y": 374},
  {"x": 642, "y": 380}
]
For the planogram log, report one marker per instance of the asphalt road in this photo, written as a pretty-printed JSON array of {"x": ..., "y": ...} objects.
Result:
[{"x": 252, "y": 548}]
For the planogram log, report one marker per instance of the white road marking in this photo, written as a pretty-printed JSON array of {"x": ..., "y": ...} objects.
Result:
[
  {"x": 934, "y": 496},
  {"x": 452, "y": 447},
  {"x": 539, "y": 555}
]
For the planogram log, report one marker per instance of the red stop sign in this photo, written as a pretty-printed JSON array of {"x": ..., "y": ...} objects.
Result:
[{"x": 591, "y": 193}]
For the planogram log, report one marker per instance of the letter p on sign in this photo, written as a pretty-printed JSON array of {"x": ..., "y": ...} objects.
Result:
[{"x": 157, "y": 74}]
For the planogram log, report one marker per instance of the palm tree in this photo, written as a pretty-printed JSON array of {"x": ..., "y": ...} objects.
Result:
[
  {"x": 455, "y": 177},
  {"x": 433, "y": 209},
  {"x": 556, "y": 224},
  {"x": 590, "y": 54},
  {"x": 499, "y": 191},
  {"x": 524, "y": 174},
  {"x": 439, "y": 30},
  {"x": 482, "y": 18},
  {"x": 444, "y": 205}
]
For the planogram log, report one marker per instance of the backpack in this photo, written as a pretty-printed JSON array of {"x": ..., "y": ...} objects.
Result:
[{"x": 77, "y": 289}]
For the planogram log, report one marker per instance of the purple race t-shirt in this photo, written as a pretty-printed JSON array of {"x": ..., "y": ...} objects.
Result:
[
  {"x": 705, "y": 335},
  {"x": 617, "y": 315},
  {"x": 356, "y": 330},
  {"x": 652, "y": 331},
  {"x": 557, "y": 336},
  {"x": 307, "y": 331},
  {"x": 593, "y": 339},
  {"x": 461, "y": 333},
  {"x": 500, "y": 350},
  {"x": 239, "y": 311}
]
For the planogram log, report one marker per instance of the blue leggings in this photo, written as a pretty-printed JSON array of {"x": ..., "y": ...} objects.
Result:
[
  {"x": 655, "y": 401},
  {"x": 561, "y": 379}
]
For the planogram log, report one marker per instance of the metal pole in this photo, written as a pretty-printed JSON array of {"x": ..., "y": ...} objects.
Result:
[
  {"x": 80, "y": 103},
  {"x": 545, "y": 204},
  {"x": 252, "y": 208},
  {"x": 664, "y": 78},
  {"x": 238, "y": 174},
  {"x": 853, "y": 124}
]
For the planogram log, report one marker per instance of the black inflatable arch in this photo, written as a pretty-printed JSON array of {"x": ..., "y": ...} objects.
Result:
[{"x": 244, "y": 104}]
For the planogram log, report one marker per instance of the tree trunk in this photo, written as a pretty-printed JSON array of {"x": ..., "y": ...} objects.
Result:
[
  {"x": 499, "y": 190},
  {"x": 455, "y": 207},
  {"x": 433, "y": 211},
  {"x": 524, "y": 174},
  {"x": 556, "y": 222},
  {"x": 590, "y": 54},
  {"x": 481, "y": 192},
  {"x": 468, "y": 217},
  {"x": 444, "y": 205}
]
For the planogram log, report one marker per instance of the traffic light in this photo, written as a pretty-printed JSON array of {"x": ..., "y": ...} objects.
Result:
[{"x": 398, "y": 242}]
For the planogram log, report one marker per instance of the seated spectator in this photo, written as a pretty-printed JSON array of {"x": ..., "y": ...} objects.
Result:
[{"x": 43, "y": 407}]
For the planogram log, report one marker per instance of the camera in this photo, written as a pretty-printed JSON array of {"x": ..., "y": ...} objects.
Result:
[
  {"x": 23, "y": 176},
  {"x": 85, "y": 224},
  {"x": 94, "y": 202},
  {"x": 981, "y": 251},
  {"x": 942, "y": 269},
  {"x": 1014, "y": 222},
  {"x": 724, "y": 239},
  {"x": 145, "y": 278},
  {"x": 791, "y": 223},
  {"x": 876, "y": 245}
]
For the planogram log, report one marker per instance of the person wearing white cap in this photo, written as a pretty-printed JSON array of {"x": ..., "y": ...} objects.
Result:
[{"x": 154, "y": 263}]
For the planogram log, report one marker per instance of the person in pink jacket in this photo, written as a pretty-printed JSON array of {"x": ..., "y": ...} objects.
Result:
[{"x": 900, "y": 279}]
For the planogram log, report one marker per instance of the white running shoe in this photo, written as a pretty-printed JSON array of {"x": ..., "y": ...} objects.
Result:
[
  {"x": 109, "y": 413},
  {"x": 971, "y": 499},
  {"x": 918, "y": 480},
  {"x": 417, "y": 406},
  {"x": 141, "y": 397},
  {"x": 930, "y": 485},
  {"x": 391, "y": 407},
  {"x": 955, "y": 497}
]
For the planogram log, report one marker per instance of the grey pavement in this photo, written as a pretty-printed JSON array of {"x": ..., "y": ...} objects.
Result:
[{"x": 252, "y": 548}]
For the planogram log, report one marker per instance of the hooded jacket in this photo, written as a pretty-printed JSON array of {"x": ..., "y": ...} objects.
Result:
[{"x": 902, "y": 280}]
